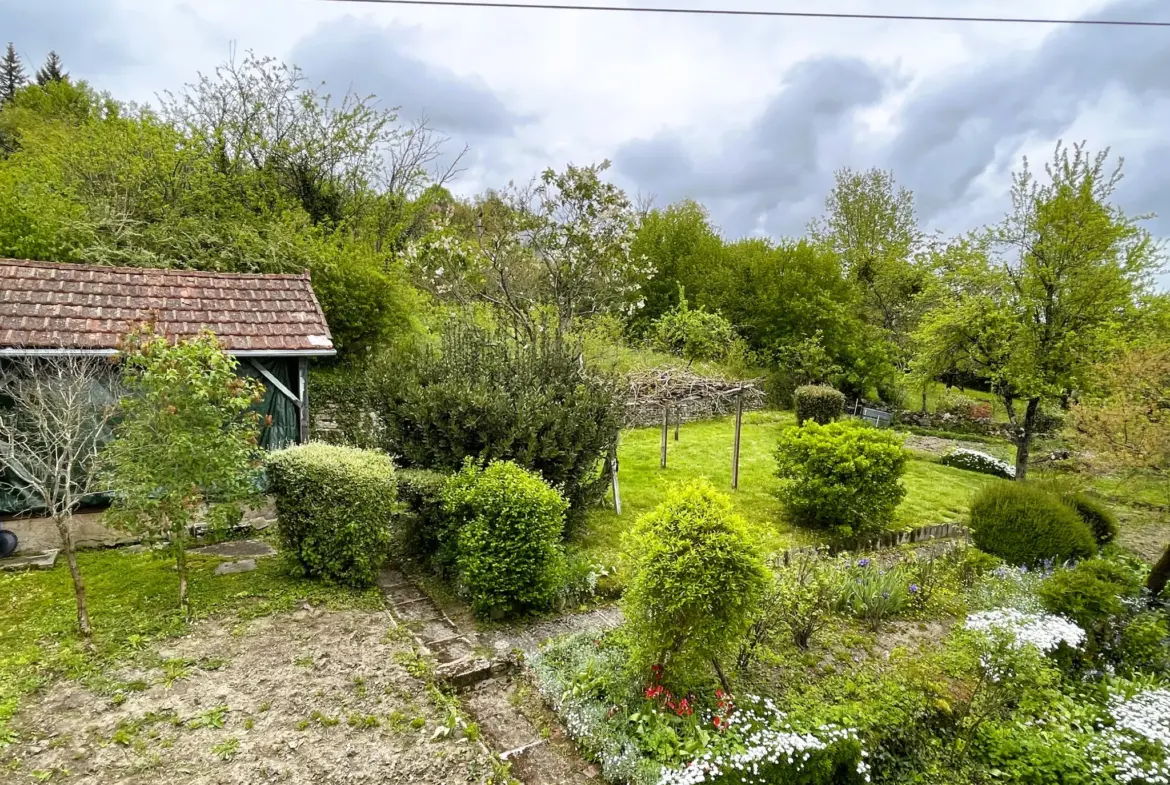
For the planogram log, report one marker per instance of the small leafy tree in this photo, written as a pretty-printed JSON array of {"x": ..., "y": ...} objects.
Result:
[
  {"x": 1126, "y": 422},
  {"x": 54, "y": 416},
  {"x": 185, "y": 451},
  {"x": 697, "y": 581},
  {"x": 693, "y": 334}
]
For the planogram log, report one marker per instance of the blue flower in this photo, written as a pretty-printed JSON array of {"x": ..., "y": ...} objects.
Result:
[
  {"x": 863, "y": 562},
  {"x": 914, "y": 588},
  {"x": 885, "y": 595}
]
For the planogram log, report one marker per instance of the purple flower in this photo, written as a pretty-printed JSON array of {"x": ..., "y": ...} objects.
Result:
[
  {"x": 914, "y": 588},
  {"x": 1023, "y": 568},
  {"x": 885, "y": 595},
  {"x": 863, "y": 562}
]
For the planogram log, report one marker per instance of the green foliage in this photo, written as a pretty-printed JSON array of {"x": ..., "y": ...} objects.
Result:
[
  {"x": 423, "y": 520},
  {"x": 488, "y": 396},
  {"x": 507, "y": 527},
  {"x": 336, "y": 506},
  {"x": 1093, "y": 594},
  {"x": 819, "y": 403},
  {"x": 344, "y": 406},
  {"x": 693, "y": 334},
  {"x": 185, "y": 451},
  {"x": 843, "y": 476},
  {"x": 1027, "y": 525},
  {"x": 1144, "y": 645},
  {"x": 697, "y": 579},
  {"x": 873, "y": 594},
  {"x": 796, "y": 605},
  {"x": 1097, "y": 514}
]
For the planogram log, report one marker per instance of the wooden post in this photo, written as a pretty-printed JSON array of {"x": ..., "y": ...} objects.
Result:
[
  {"x": 665, "y": 432},
  {"x": 677, "y": 420},
  {"x": 735, "y": 448},
  {"x": 303, "y": 409},
  {"x": 613, "y": 476}
]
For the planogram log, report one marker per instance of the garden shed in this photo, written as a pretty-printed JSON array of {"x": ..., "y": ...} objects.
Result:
[{"x": 272, "y": 324}]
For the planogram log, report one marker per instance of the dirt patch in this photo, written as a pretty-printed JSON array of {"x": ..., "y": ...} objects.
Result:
[
  {"x": 528, "y": 638},
  {"x": 312, "y": 697},
  {"x": 1145, "y": 532}
]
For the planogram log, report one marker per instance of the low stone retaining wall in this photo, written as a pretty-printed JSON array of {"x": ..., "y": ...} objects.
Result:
[{"x": 942, "y": 531}]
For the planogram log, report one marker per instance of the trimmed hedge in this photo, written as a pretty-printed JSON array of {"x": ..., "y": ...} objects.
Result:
[
  {"x": 842, "y": 476},
  {"x": 335, "y": 507},
  {"x": 819, "y": 403},
  {"x": 1025, "y": 524},
  {"x": 1097, "y": 515},
  {"x": 506, "y": 528},
  {"x": 423, "y": 520}
]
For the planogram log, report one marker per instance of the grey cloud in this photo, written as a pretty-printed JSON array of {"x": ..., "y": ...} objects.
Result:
[
  {"x": 89, "y": 36},
  {"x": 775, "y": 160},
  {"x": 372, "y": 60}
]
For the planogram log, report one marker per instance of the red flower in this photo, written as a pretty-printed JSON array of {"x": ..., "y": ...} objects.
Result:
[{"x": 718, "y": 722}]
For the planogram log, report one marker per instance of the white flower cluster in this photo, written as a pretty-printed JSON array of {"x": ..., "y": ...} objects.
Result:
[
  {"x": 1042, "y": 630},
  {"x": 975, "y": 461},
  {"x": 1145, "y": 716},
  {"x": 767, "y": 740}
]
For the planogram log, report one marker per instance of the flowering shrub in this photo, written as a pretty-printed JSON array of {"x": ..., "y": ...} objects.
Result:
[
  {"x": 1044, "y": 631},
  {"x": 975, "y": 461},
  {"x": 1137, "y": 746},
  {"x": 697, "y": 578},
  {"x": 843, "y": 476},
  {"x": 757, "y": 744}
]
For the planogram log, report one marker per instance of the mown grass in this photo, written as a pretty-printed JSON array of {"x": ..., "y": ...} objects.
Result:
[
  {"x": 934, "y": 493},
  {"x": 133, "y": 602},
  {"x": 937, "y": 390}
]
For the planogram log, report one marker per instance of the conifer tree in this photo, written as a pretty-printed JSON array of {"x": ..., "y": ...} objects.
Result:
[
  {"x": 12, "y": 76},
  {"x": 52, "y": 71}
]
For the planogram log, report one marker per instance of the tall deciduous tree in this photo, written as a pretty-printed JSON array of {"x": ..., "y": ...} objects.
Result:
[
  {"x": 1059, "y": 275},
  {"x": 185, "y": 451},
  {"x": 870, "y": 224},
  {"x": 52, "y": 70},
  {"x": 55, "y": 417},
  {"x": 12, "y": 76}
]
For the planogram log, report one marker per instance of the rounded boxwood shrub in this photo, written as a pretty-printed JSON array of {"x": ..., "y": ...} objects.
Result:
[
  {"x": 696, "y": 582},
  {"x": 1026, "y": 525},
  {"x": 1096, "y": 513},
  {"x": 335, "y": 507},
  {"x": 422, "y": 519},
  {"x": 842, "y": 476},
  {"x": 505, "y": 533},
  {"x": 819, "y": 403}
]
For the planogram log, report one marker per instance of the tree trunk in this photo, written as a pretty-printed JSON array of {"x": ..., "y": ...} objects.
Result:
[
  {"x": 924, "y": 399},
  {"x": 66, "y": 533},
  {"x": 1160, "y": 575},
  {"x": 1024, "y": 441},
  {"x": 722, "y": 678},
  {"x": 181, "y": 563}
]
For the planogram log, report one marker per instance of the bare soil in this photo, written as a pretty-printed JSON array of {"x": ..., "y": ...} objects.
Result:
[{"x": 313, "y": 697}]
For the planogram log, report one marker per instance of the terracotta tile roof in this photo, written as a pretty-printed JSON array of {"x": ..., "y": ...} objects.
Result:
[{"x": 45, "y": 305}]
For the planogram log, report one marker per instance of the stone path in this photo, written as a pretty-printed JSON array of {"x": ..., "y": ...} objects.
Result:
[{"x": 486, "y": 670}]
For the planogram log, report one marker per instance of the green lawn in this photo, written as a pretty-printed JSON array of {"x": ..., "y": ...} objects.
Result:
[
  {"x": 935, "y": 493},
  {"x": 133, "y": 600},
  {"x": 937, "y": 390}
]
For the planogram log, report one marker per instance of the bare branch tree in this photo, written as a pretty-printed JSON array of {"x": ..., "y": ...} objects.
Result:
[{"x": 55, "y": 414}]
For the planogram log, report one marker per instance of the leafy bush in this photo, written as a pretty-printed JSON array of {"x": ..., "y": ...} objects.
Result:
[
  {"x": 957, "y": 405},
  {"x": 697, "y": 579},
  {"x": 1097, "y": 514},
  {"x": 488, "y": 396},
  {"x": 693, "y": 334},
  {"x": 796, "y": 605},
  {"x": 343, "y": 410},
  {"x": 506, "y": 525},
  {"x": 819, "y": 403},
  {"x": 423, "y": 521},
  {"x": 975, "y": 461},
  {"x": 335, "y": 507},
  {"x": 842, "y": 476},
  {"x": 1028, "y": 525},
  {"x": 1093, "y": 595},
  {"x": 1144, "y": 645}
]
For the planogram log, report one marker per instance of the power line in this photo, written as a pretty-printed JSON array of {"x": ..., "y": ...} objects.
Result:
[{"x": 784, "y": 14}]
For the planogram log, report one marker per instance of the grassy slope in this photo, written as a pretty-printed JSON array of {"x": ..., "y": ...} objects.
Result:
[
  {"x": 935, "y": 493},
  {"x": 132, "y": 601}
]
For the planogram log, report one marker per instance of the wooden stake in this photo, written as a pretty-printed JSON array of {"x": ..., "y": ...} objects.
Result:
[
  {"x": 677, "y": 420},
  {"x": 735, "y": 449},
  {"x": 617, "y": 491},
  {"x": 665, "y": 432}
]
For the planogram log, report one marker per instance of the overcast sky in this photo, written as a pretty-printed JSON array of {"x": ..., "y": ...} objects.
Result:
[{"x": 749, "y": 116}]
